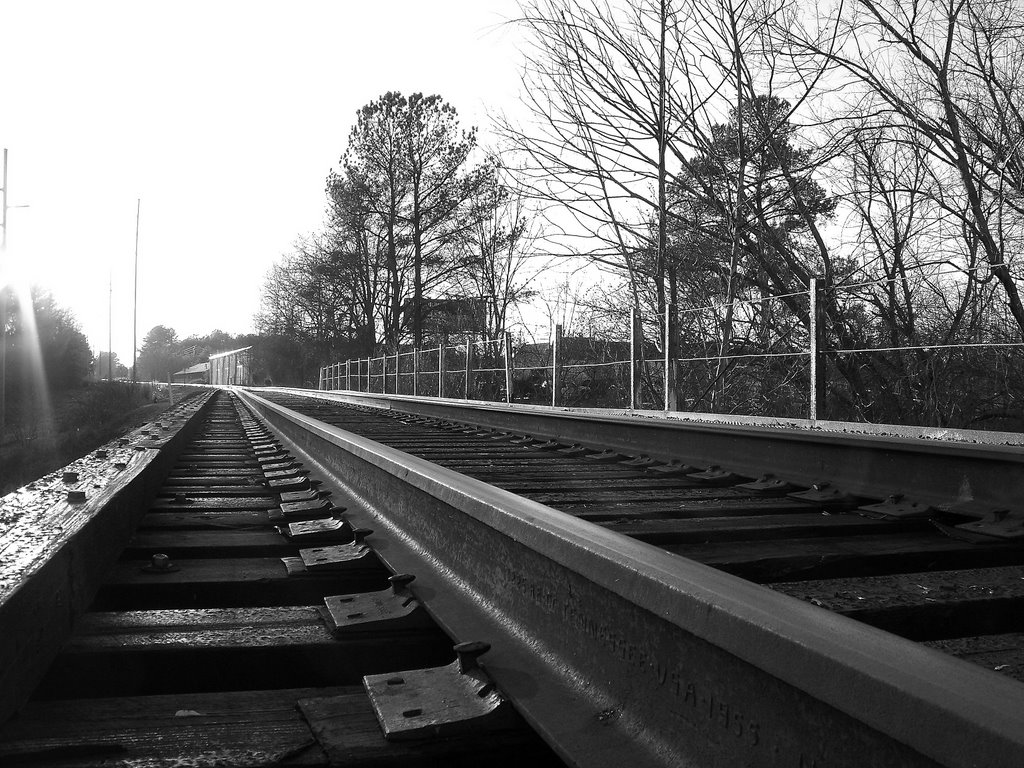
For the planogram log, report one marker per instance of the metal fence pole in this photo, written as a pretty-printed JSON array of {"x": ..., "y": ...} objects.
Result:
[
  {"x": 671, "y": 357},
  {"x": 556, "y": 367},
  {"x": 321, "y": 384},
  {"x": 816, "y": 338},
  {"x": 415, "y": 371},
  {"x": 636, "y": 340},
  {"x": 384, "y": 374},
  {"x": 508, "y": 367},
  {"x": 469, "y": 368},
  {"x": 440, "y": 369}
]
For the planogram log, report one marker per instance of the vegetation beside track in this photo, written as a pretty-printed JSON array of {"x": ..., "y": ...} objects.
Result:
[{"x": 82, "y": 419}]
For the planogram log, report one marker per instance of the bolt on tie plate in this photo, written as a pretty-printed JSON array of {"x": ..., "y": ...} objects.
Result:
[{"x": 159, "y": 563}]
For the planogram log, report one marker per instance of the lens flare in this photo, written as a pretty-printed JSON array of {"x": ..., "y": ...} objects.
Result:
[{"x": 32, "y": 412}]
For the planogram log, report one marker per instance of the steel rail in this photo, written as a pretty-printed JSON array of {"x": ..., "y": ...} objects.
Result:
[
  {"x": 848, "y": 457},
  {"x": 619, "y": 653}
]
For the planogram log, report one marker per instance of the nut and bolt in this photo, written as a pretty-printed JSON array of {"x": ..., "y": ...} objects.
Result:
[
  {"x": 400, "y": 581},
  {"x": 468, "y": 654}
]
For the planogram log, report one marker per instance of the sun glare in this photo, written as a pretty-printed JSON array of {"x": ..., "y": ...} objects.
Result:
[{"x": 16, "y": 278}]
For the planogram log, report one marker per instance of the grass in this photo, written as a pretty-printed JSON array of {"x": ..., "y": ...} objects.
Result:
[{"x": 83, "y": 419}]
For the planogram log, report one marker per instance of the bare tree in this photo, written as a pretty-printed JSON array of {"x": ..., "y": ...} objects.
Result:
[
  {"x": 947, "y": 74},
  {"x": 500, "y": 258}
]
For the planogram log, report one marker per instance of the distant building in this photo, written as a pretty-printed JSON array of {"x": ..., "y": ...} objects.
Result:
[
  {"x": 234, "y": 367},
  {"x": 195, "y": 374}
]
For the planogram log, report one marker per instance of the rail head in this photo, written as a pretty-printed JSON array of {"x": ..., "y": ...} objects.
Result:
[
  {"x": 932, "y": 467},
  {"x": 621, "y": 653}
]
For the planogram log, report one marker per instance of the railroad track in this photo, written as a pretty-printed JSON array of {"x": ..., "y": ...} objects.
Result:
[{"x": 219, "y": 639}]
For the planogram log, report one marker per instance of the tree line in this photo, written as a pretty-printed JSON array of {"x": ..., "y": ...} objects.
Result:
[
  {"x": 427, "y": 236},
  {"x": 712, "y": 156},
  {"x": 723, "y": 152}
]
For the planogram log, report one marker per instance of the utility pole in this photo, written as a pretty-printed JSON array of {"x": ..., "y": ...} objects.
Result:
[
  {"x": 3, "y": 241},
  {"x": 135, "y": 300},
  {"x": 3, "y": 314},
  {"x": 110, "y": 329},
  {"x": 3, "y": 302}
]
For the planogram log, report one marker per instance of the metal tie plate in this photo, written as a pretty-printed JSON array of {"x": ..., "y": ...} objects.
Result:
[
  {"x": 994, "y": 522},
  {"x": 278, "y": 466},
  {"x": 897, "y": 507},
  {"x": 439, "y": 701},
  {"x": 291, "y": 483},
  {"x": 325, "y": 529},
  {"x": 823, "y": 493},
  {"x": 307, "y": 495},
  {"x": 768, "y": 485},
  {"x": 286, "y": 474},
  {"x": 338, "y": 556},
  {"x": 272, "y": 458},
  {"x": 607, "y": 457},
  {"x": 387, "y": 609},
  {"x": 674, "y": 468},
  {"x": 290, "y": 508},
  {"x": 716, "y": 476}
]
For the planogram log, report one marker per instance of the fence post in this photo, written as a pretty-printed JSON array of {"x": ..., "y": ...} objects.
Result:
[
  {"x": 470, "y": 349},
  {"x": 636, "y": 341},
  {"x": 671, "y": 356},
  {"x": 384, "y": 373},
  {"x": 440, "y": 369},
  {"x": 321, "y": 384},
  {"x": 415, "y": 371},
  {"x": 816, "y": 338},
  {"x": 508, "y": 367},
  {"x": 556, "y": 367}
]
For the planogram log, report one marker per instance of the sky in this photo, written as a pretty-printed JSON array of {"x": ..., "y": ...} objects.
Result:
[{"x": 224, "y": 119}]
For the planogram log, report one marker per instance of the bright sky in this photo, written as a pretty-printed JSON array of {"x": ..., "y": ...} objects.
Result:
[{"x": 224, "y": 118}]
